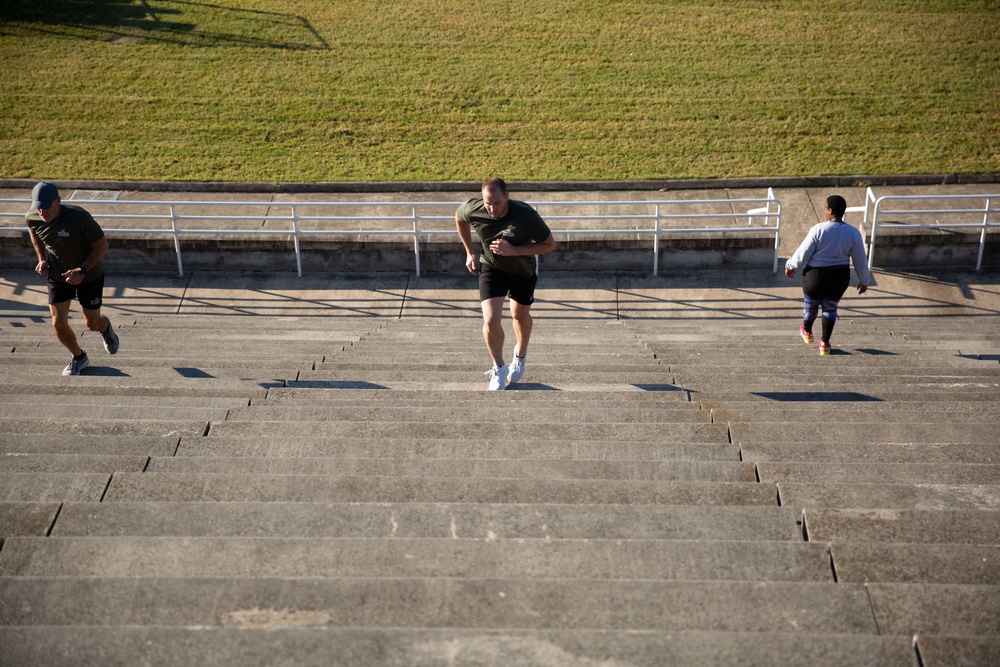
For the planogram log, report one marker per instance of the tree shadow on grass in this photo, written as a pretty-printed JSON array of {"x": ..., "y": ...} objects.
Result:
[{"x": 165, "y": 21}]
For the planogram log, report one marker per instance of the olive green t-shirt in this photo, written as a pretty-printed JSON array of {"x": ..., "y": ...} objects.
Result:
[
  {"x": 68, "y": 240},
  {"x": 520, "y": 226}
]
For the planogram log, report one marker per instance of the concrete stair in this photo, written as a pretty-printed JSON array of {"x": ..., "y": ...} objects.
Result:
[{"x": 327, "y": 491}]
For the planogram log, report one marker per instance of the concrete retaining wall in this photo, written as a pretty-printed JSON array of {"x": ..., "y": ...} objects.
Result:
[
  {"x": 894, "y": 247},
  {"x": 901, "y": 246},
  {"x": 436, "y": 253}
]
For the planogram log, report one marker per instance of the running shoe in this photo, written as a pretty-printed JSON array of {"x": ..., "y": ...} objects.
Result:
[
  {"x": 110, "y": 339},
  {"x": 76, "y": 365},
  {"x": 516, "y": 370},
  {"x": 498, "y": 378},
  {"x": 824, "y": 348},
  {"x": 807, "y": 336}
]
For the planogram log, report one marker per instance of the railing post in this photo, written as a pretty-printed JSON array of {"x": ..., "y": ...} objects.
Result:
[
  {"x": 538, "y": 263},
  {"x": 295, "y": 240},
  {"x": 656, "y": 242},
  {"x": 177, "y": 241},
  {"x": 869, "y": 197},
  {"x": 871, "y": 244},
  {"x": 416, "y": 241},
  {"x": 982, "y": 236},
  {"x": 777, "y": 228}
]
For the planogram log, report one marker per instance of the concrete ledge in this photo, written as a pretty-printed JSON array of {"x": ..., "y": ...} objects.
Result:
[
  {"x": 809, "y": 608},
  {"x": 434, "y": 558},
  {"x": 271, "y": 644},
  {"x": 905, "y": 245},
  {"x": 27, "y": 518},
  {"x": 436, "y": 520},
  {"x": 894, "y": 246},
  {"x": 936, "y": 609},
  {"x": 597, "y": 252}
]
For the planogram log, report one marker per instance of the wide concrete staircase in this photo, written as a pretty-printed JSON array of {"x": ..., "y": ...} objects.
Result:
[{"x": 342, "y": 491}]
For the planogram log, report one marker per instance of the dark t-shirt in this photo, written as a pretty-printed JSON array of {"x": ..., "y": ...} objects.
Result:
[
  {"x": 68, "y": 240},
  {"x": 520, "y": 226}
]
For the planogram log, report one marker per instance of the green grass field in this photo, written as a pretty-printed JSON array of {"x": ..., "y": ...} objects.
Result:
[{"x": 326, "y": 90}]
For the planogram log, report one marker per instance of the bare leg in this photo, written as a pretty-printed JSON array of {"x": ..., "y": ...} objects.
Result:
[
  {"x": 522, "y": 326},
  {"x": 64, "y": 332},
  {"x": 493, "y": 329},
  {"x": 95, "y": 321}
]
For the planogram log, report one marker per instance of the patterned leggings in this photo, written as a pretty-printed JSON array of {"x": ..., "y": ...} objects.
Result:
[{"x": 811, "y": 308}]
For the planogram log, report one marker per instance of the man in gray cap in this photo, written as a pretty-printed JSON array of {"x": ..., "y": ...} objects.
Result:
[{"x": 70, "y": 244}]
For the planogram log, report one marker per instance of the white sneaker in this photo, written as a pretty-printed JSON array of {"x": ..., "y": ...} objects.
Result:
[
  {"x": 498, "y": 378},
  {"x": 516, "y": 370}
]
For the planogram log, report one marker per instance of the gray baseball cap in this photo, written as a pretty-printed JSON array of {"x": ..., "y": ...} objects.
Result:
[{"x": 44, "y": 195}]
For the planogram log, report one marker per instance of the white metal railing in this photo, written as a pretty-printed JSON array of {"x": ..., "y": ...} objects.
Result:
[
  {"x": 653, "y": 213},
  {"x": 766, "y": 213},
  {"x": 869, "y": 199},
  {"x": 874, "y": 208}
]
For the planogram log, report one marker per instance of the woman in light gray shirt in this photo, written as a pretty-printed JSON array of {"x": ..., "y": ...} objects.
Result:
[{"x": 827, "y": 253}]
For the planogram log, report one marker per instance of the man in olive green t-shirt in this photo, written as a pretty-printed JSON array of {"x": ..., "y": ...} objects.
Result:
[
  {"x": 69, "y": 245},
  {"x": 511, "y": 233}
]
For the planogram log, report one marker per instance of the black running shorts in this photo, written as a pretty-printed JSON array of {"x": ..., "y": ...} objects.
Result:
[
  {"x": 90, "y": 294},
  {"x": 828, "y": 282},
  {"x": 494, "y": 283}
]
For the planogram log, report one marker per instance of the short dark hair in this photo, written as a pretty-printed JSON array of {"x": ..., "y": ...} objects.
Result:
[
  {"x": 837, "y": 206},
  {"x": 494, "y": 184}
]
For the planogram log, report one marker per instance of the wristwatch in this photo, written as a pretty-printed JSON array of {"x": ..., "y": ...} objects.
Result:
[{"x": 83, "y": 271}]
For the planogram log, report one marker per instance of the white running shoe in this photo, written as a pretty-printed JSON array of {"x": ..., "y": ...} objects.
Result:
[
  {"x": 498, "y": 378},
  {"x": 516, "y": 370}
]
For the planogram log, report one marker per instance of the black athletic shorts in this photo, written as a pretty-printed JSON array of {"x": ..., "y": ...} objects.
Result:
[
  {"x": 90, "y": 294},
  {"x": 828, "y": 282},
  {"x": 494, "y": 283}
]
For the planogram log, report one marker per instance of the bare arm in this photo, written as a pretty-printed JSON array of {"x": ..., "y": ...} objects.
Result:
[
  {"x": 465, "y": 234},
  {"x": 42, "y": 267}
]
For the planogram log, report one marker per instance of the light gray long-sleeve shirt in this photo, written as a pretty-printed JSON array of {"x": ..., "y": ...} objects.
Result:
[{"x": 832, "y": 244}]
